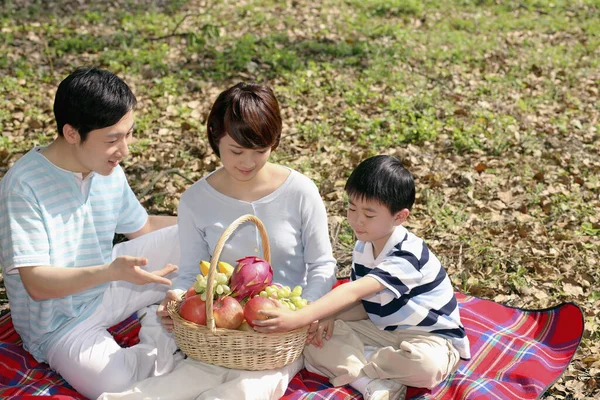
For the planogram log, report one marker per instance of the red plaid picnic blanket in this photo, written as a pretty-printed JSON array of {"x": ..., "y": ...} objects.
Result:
[{"x": 516, "y": 354}]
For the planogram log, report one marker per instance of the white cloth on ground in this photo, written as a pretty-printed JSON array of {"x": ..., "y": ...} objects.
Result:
[{"x": 197, "y": 380}]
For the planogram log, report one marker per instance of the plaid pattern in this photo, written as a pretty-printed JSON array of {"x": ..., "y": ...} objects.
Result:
[
  {"x": 516, "y": 354},
  {"x": 22, "y": 377}
]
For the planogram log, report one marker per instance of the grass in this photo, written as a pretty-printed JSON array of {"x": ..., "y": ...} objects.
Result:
[{"x": 493, "y": 105}]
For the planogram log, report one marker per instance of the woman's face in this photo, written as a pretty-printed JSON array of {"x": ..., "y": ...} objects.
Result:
[{"x": 241, "y": 163}]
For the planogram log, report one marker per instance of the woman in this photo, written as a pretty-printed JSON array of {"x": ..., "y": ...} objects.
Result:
[{"x": 244, "y": 127}]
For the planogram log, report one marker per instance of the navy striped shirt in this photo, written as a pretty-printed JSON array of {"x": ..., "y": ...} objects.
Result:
[{"x": 418, "y": 295}]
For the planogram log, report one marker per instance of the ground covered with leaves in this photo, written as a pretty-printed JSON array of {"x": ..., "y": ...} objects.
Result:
[{"x": 493, "y": 106}]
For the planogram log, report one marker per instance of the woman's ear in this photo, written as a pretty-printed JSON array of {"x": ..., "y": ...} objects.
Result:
[
  {"x": 71, "y": 134},
  {"x": 401, "y": 216}
]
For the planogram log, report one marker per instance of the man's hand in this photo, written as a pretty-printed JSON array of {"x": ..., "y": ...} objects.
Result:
[
  {"x": 163, "y": 313},
  {"x": 127, "y": 268},
  {"x": 280, "y": 320},
  {"x": 320, "y": 330}
]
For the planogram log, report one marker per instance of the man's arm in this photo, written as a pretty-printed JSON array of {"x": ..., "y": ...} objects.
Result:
[
  {"x": 333, "y": 302},
  {"x": 50, "y": 282},
  {"x": 154, "y": 222}
]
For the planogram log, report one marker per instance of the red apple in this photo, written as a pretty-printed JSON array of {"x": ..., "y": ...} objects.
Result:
[
  {"x": 193, "y": 309},
  {"x": 228, "y": 313},
  {"x": 190, "y": 292},
  {"x": 256, "y": 304}
]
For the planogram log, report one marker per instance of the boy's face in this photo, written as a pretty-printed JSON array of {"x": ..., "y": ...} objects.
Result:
[
  {"x": 373, "y": 221},
  {"x": 104, "y": 148}
]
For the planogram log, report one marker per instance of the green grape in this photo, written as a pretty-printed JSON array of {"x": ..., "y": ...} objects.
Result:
[
  {"x": 198, "y": 288},
  {"x": 296, "y": 300},
  {"x": 281, "y": 293},
  {"x": 226, "y": 289},
  {"x": 220, "y": 289},
  {"x": 270, "y": 290},
  {"x": 222, "y": 278},
  {"x": 203, "y": 296},
  {"x": 297, "y": 291},
  {"x": 292, "y": 307},
  {"x": 263, "y": 294}
]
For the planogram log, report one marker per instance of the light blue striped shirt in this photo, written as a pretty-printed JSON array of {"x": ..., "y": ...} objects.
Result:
[
  {"x": 418, "y": 295},
  {"x": 46, "y": 220}
]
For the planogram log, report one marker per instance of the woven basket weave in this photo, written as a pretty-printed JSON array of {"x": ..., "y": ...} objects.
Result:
[{"x": 235, "y": 349}]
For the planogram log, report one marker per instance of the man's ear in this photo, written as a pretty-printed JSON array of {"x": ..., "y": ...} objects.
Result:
[
  {"x": 71, "y": 134},
  {"x": 401, "y": 216}
]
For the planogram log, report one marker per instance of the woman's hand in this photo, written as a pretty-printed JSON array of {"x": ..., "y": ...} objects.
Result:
[{"x": 163, "y": 313}]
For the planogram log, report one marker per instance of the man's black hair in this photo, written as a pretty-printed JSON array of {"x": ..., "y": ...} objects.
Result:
[
  {"x": 385, "y": 180},
  {"x": 91, "y": 98}
]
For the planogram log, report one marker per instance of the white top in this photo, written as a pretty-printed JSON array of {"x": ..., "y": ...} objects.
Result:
[
  {"x": 418, "y": 295},
  {"x": 296, "y": 222},
  {"x": 45, "y": 219}
]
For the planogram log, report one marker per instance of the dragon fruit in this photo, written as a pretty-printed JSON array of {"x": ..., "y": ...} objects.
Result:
[{"x": 250, "y": 277}]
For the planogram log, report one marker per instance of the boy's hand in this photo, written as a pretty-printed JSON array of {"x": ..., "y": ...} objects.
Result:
[
  {"x": 278, "y": 321},
  {"x": 127, "y": 268},
  {"x": 163, "y": 313},
  {"x": 323, "y": 330}
]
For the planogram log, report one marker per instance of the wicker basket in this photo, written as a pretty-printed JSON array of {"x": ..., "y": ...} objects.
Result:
[{"x": 235, "y": 349}]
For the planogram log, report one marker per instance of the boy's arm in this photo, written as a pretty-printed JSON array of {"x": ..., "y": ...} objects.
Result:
[
  {"x": 50, "y": 282},
  {"x": 336, "y": 300},
  {"x": 355, "y": 312}
]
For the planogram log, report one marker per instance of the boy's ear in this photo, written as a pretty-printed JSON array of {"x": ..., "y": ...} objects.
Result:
[
  {"x": 401, "y": 216},
  {"x": 71, "y": 134}
]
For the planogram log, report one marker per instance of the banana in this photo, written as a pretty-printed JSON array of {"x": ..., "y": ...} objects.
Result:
[
  {"x": 225, "y": 268},
  {"x": 204, "y": 267}
]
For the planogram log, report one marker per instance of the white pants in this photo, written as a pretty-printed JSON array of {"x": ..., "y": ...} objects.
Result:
[
  {"x": 89, "y": 358},
  {"x": 193, "y": 379}
]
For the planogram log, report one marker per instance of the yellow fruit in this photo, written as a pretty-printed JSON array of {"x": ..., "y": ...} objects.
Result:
[
  {"x": 204, "y": 267},
  {"x": 225, "y": 268}
]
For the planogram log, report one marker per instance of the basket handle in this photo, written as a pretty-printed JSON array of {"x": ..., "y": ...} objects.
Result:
[{"x": 210, "y": 321}]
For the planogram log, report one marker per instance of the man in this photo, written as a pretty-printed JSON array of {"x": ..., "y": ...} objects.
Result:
[{"x": 60, "y": 207}]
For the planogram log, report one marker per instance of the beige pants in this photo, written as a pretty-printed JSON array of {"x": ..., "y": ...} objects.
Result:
[{"x": 411, "y": 358}]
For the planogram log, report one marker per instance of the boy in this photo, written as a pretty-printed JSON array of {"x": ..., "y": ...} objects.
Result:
[
  {"x": 397, "y": 322},
  {"x": 60, "y": 207}
]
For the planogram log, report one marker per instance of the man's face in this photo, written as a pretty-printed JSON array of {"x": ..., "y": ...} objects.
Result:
[{"x": 104, "y": 148}]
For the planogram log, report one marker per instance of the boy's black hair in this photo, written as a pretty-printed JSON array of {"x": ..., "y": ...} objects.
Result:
[
  {"x": 91, "y": 98},
  {"x": 385, "y": 180}
]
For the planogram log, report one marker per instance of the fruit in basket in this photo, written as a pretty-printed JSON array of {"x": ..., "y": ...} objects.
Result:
[
  {"x": 228, "y": 313},
  {"x": 225, "y": 268},
  {"x": 287, "y": 297},
  {"x": 220, "y": 286},
  {"x": 193, "y": 309},
  {"x": 190, "y": 292},
  {"x": 222, "y": 267},
  {"x": 245, "y": 326},
  {"x": 204, "y": 267},
  {"x": 256, "y": 304},
  {"x": 250, "y": 277}
]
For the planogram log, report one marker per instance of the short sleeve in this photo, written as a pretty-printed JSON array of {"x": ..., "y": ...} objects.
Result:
[
  {"x": 23, "y": 235},
  {"x": 132, "y": 215}
]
